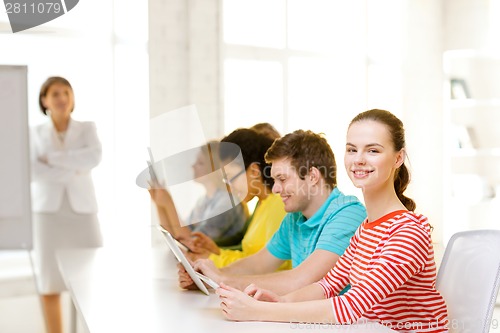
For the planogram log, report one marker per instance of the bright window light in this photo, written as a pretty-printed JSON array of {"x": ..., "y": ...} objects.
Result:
[
  {"x": 384, "y": 30},
  {"x": 254, "y": 22},
  {"x": 323, "y": 94},
  {"x": 324, "y": 25},
  {"x": 385, "y": 88},
  {"x": 339, "y": 57},
  {"x": 253, "y": 92}
]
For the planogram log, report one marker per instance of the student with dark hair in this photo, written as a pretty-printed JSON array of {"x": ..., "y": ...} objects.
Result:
[
  {"x": 315, "y": 232},
  {"x": 389, "y": 262},
  {"x": 63, "y": 153},
  {"x": 253, "y": 180}
]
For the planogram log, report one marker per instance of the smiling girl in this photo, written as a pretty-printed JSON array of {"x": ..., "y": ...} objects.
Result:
[{"x": 389, "y": 262}]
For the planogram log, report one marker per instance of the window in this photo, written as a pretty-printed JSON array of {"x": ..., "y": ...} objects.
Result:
[
  {"x": 255, "y": 90},
  {"x": 298, "y": 64},
  {"x": 310, "y": 64},
  {"x": 255, "y": 23}
]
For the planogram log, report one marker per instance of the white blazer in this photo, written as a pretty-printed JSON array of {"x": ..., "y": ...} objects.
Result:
[{"x": 58, "y": 166}]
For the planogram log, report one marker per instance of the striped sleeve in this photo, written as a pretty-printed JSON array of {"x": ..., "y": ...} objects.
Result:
[{"x": 403, "y": 256}]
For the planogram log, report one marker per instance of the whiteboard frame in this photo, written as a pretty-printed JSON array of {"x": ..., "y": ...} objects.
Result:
[{"x": 16, "y": 230}]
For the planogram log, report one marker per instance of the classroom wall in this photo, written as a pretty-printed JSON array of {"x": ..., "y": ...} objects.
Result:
[
  {"x": 423, "y": 107},
  {"x": 184, "y": 60}
]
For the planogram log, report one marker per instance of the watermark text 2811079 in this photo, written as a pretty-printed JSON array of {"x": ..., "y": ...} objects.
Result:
[
  {"x": 26, "y": 14},
  {"x": 33, "y": 8}
]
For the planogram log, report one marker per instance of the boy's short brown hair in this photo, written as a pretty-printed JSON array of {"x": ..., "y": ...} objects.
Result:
[{"x": 306, "y": 149}]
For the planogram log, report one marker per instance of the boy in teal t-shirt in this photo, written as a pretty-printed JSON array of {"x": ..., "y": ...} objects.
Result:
[
  {"x": 330, "y": 229},
  {"x": 315, "y": 232}
]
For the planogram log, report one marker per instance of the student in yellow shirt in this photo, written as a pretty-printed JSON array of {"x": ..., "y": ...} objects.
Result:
[{"x": 258, "y": 182}]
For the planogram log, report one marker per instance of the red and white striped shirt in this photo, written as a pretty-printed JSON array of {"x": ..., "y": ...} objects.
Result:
[{"x": 390, "y": 266}]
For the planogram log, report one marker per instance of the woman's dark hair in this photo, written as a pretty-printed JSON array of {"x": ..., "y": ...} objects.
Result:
[
  {"x": 306, "y": 149},
  {"x": 253, "y": 147},
  {"x": 45, "y": 88},
  {"x": 396, "y": 128}
]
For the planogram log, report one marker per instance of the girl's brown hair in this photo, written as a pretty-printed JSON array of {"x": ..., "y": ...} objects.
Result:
[{"x": 397, "y": 131}]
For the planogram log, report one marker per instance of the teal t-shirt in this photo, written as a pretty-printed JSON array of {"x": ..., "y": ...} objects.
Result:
[{"x": 330, "y": 229}]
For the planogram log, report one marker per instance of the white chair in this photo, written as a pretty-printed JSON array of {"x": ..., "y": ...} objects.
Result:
[{"x": 468, "y": 279}]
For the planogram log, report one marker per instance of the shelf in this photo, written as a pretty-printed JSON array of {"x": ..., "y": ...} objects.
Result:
[{"x": 471, "y": 179}]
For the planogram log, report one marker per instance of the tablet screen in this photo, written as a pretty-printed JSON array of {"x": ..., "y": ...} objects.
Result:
[
  {"x": 151, "y": 163},
  {"x": 195, "y": 276},
  {"x": 152, "y": 173}
]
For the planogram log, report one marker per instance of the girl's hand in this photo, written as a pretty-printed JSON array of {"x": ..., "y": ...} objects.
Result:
[
  {"x": 160, "y": 196},
  {"x": 185, "y": 281},
  {"x": 236, "y": 305},
  {"x": 197, "y": 253},
  {"x": 202, "y": 241},
  {"x": 207, "y": 267},
  {"x": 43, "y": 159},
  {"x": 262, "y": 294}
]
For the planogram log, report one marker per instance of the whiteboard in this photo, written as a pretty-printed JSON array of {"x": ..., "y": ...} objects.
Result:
[{"x": 15, "y": 201}]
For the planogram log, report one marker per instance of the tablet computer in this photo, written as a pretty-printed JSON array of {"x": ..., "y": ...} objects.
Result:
[
  {"x": 152, "y": 172},
  {"x": 197, "y": 277},
  {"x": 181, "y": 245},
  {"x": 151, "y": 158}
]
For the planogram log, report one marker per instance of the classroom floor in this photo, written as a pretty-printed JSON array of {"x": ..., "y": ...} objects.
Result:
[{"x": 23, "y": 314}]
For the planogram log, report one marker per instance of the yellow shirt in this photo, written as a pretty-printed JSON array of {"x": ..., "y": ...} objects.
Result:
[{"x": 266, "y": 220}]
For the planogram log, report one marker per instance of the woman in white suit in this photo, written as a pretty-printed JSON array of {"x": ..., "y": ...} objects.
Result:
[{"x": 63, "y": 153}]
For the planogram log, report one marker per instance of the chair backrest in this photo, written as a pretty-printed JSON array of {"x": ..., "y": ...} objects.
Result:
[{"x": 468, "y": 279}]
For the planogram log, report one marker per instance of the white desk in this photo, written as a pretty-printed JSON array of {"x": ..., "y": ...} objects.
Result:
[{"x": 136, "y": 291}]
